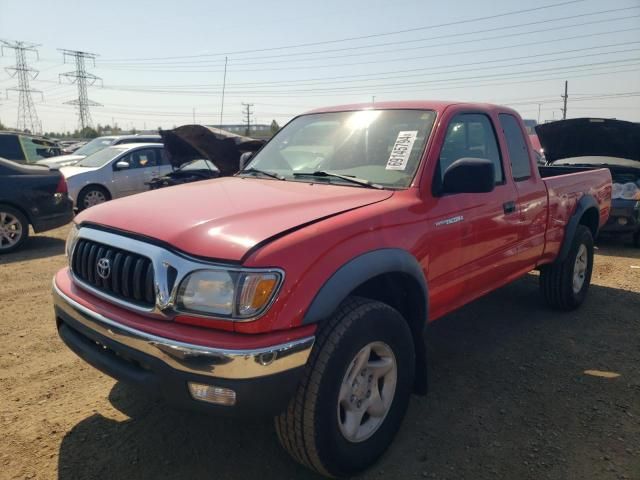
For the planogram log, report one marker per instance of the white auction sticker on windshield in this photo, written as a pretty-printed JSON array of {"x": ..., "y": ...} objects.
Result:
[{"x": 401, "y": 150}]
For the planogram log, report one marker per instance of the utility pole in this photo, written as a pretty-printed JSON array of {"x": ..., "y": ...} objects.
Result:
[
  {"x": 564, "y": 97},
  {"x": 539, "y": 106},
  {"x": 27, "y": 116},
  {"x": 83, "y": 79},
  {"x": 247, "y": 112},
  {"x": 224, "y": 85}
]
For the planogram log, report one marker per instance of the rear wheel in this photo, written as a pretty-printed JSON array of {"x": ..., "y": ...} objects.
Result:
[
  {"x": 355, "y": 392},
  {"x": 92, "y": 195},
  {"x": 14, "y": 229},
  {"x": 636, "y": 239},
  {"x": 564, "y": 285}
]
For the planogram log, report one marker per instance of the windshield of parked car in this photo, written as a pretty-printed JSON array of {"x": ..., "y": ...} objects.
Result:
[
  {"x": 379, "y": 146},
  {"x": 100, "y": 158},
  {"x": 94, "y": 146}
]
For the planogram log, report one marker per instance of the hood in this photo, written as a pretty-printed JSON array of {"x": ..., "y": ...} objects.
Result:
[
  {"x": 226, "y": 217},
  {"x": 584, "y": 137},
  {"x": 192, "y": 142},
  {"x": 60, "y": 160}
]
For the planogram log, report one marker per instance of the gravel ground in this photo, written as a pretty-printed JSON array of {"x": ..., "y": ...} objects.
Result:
[{"x": 509, "y": 397}]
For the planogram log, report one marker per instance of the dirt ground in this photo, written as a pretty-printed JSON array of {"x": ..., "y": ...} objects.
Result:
[{"x": 509, "y": 397}]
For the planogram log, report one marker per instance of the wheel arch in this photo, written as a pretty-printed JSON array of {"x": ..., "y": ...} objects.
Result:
[
  {"x": 390, "y": 275},
  {"x": 19, "y": 208},
  {"x": 94, "y": 185},
  {"x": 587, "y": 213}
]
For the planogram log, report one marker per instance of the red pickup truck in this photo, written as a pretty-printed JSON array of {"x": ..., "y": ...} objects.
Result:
[{"x": 301, "y": 286}]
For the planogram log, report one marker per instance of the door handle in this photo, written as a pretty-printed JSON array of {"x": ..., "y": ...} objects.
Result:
[{"x": 509, "y": 207}]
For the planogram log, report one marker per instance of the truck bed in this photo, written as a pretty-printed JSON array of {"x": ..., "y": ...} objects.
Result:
[{"x": 566, "y": 185}]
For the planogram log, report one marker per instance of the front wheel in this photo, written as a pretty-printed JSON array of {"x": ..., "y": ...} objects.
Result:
[
  {"x": 14, "y": 229},
  {"x": 564, "y": 285},
  {"x": 355, "y": 391},
  {"x": 92, "y": 195}
]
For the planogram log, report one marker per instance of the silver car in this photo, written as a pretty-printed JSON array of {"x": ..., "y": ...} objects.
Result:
[
  {"x": 94, "y": 146},
  {"x": 114, "y": 172}
]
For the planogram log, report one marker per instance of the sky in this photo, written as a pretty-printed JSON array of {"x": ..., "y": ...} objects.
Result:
[{"x": 161, "y": 63}]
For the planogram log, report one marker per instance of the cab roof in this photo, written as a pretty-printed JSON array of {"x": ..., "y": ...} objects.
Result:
[{"x": 436, "y": 105}]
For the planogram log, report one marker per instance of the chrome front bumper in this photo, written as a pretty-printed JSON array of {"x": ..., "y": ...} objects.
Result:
[{"x": 185, "y": 357}]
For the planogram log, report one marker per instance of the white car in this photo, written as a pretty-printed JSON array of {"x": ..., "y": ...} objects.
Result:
[
  {"x": 114, "y": 172},
  {"x": 94, "y": 146}
]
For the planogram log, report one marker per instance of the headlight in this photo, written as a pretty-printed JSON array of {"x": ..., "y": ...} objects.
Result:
[
  {"x": 71, "y": 240},
  {"x": 625, "y": 191},
  {"x": 227, "y": 293}
]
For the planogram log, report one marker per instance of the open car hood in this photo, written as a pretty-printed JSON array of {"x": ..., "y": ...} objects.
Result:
[
  {"x": 191, "y": 142},
  {"x": 589, "y": 137}
]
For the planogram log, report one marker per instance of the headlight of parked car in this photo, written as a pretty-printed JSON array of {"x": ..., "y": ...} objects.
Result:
[
  {"x": 72, "y": 237},
  {"x": 228, "y": 293}
]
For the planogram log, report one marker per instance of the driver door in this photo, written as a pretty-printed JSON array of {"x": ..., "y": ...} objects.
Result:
[{"x": 143, "y": 164}]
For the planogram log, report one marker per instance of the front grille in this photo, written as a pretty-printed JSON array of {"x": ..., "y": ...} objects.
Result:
[{"x": 125, "y": 275}]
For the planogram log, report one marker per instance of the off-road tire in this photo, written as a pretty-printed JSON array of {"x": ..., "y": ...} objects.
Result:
[
  {"x": 24, "y": 225},
  {"x": 309, "y": 429},
  {"x": 556, "y": 280}
]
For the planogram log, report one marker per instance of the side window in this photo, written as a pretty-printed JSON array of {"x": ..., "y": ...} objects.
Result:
[
  {"x": 145, "y": 157},
  {"x": 517, "y": 146},
  {"x": 470, "y": 135},
  {"x": 10, "y": 147}
]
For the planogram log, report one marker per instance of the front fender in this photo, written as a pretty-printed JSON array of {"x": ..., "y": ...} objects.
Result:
[{"x": 356, "y": 272}]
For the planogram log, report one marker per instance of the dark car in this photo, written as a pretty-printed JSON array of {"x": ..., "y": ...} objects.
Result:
[
  {"x": 30, "y": 195},
  {"x": 25, "y": 148},
  {"x": 598, "y": 142}
]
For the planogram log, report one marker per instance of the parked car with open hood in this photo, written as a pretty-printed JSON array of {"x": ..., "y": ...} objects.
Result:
[
  {"x": 596, "y": 142},
  {"x": 115, "y": 171},
  {"x": 198, "y": 152},
  {"x": 30, "y": 195},
  {"x": 94, "y": 146}
]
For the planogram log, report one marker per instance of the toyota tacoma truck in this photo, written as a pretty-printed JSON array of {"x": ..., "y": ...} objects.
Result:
[{"x": 301, "y": 286}]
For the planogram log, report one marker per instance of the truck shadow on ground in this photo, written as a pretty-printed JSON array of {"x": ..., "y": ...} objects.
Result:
[
  {"x": 617, "y": 246},
  {"x": 35, "y": 247},
  {"x": 508, "y": 399}
]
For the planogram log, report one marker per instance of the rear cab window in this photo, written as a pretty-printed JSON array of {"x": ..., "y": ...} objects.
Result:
[{"x": 517, "y": 147}]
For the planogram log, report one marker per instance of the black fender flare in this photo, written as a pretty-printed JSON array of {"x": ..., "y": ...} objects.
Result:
[
  {"x": 356, "y": 272},
  {"x": 359, "y": 270},
  {"x": 584, "y": 204}
]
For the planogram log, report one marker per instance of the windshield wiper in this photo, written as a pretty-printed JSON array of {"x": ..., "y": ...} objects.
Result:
[
  {"x": 262, "y": 172},
  {"x": 347, "y": 178}
]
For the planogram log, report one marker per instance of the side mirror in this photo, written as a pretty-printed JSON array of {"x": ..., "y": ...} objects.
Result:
[
  {"x": 469, "y": 175},
  {"x": 245, "y": 158},
  {"x": 122, "y": 165}
]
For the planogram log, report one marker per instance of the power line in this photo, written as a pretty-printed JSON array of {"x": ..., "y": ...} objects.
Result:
[
  {"x": 364, "y": 37},
  {"x": 124, "y": 66},
  {"x": 27, "y": 115},
  {"x": 81, "y": 78}
]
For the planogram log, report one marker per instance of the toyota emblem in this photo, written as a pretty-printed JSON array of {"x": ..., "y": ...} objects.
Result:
[{"x": 103, "y": 268}]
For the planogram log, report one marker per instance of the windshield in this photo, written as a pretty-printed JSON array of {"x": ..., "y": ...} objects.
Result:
[
  {"x": 94, "y": 146},
  {"x": 381, "y": 146},
  {"x": 100, "y": 158}
]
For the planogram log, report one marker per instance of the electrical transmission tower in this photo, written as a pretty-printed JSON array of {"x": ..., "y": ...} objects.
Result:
[
  {"x": 83, "y": 79},
  {"x": 247, "y": 112},
  {"x": 27, "y": 116}
]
